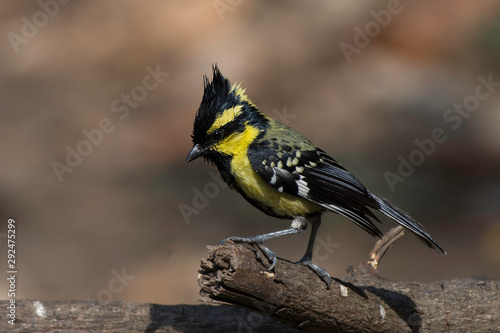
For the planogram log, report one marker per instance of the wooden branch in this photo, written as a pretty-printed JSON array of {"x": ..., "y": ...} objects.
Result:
[
  {"x": 360, "y": 302},
  {"x": 384, "y": 244},
  {"x": 94, "y": 316}
]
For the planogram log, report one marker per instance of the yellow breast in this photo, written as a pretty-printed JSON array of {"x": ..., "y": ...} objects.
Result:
[{"x": 253, "y": 185}]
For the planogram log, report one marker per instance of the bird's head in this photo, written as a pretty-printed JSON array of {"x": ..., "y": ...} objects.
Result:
[{"x": 226, "y": 121}]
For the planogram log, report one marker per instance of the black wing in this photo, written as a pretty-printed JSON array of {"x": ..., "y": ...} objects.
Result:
[{"x": 315, "y": 176}]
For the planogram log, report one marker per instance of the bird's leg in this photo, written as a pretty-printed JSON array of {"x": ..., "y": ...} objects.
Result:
[
  {"x": 307, "y": 258},
  {"x": 298, "y": 225}
]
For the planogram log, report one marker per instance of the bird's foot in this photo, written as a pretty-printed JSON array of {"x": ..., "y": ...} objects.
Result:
[
  {"x": 316, "y": 269},
  {"x": 257, "y": 241}
]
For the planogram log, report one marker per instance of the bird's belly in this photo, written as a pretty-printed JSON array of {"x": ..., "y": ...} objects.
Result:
[{"x": 264, "y": 196}]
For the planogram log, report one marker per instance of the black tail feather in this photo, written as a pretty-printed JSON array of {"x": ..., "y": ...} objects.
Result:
[{"x": 408, "y": 222}]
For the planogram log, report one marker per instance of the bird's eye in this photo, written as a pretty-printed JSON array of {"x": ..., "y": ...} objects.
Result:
[{"x": 218, "y": 135}]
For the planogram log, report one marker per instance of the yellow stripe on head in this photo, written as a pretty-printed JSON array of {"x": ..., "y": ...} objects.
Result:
[
  {"x": 225, "y": 117},
  {"x": 240, "y": 92}
]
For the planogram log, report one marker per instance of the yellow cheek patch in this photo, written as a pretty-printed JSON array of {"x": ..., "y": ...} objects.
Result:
[
  {"x": 225, "y": 117},
  {"x": 237, "y": 143}
]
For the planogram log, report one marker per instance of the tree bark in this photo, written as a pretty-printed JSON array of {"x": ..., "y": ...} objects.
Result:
[
  {"x": 94, "y": 316},
  {"x": 362, "y": 301}
]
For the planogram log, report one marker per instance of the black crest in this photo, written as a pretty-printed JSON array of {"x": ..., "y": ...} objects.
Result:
[{"x": 217, "y": 97}]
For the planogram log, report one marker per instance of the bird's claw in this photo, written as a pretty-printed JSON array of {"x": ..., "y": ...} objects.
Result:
[
  {"x": 270, "y": 255},
  {"x": 225, "y": 240},
  {"x": 318, "y": 270}
]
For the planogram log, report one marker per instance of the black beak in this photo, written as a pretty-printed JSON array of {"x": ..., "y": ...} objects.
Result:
[{"x": 195, "y": 152}]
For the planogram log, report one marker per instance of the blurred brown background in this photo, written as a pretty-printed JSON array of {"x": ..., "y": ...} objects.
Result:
[{"x": 66, "y": 68}]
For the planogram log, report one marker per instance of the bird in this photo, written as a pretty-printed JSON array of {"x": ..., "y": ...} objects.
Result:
[{"x": 281, "y": 172}]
